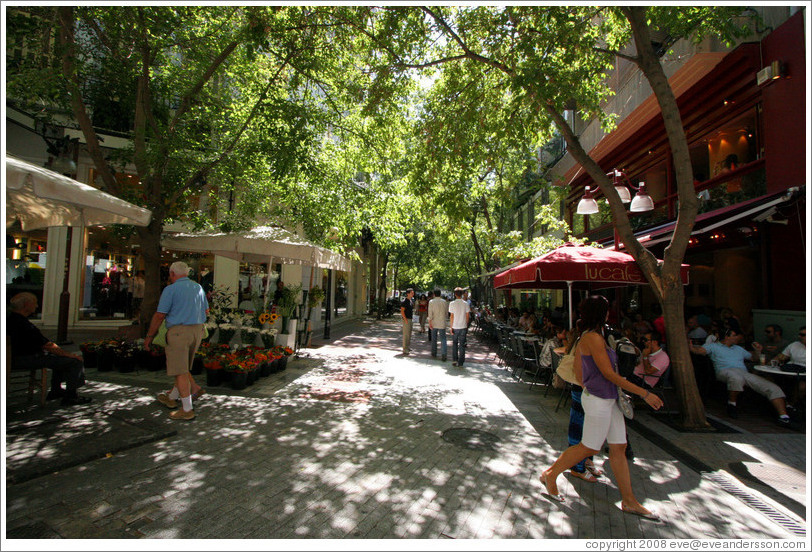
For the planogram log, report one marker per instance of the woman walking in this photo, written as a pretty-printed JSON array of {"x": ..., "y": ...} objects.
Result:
[
  {"x": 595, "y": 369},
  {"x": 422, "y": 311}
]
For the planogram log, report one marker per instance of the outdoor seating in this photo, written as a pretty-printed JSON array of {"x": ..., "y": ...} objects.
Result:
[
  {"x": 541, "y": 374},
  {"x": 34, "y": 381}
]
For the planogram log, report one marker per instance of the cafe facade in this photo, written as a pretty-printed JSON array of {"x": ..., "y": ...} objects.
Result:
[{"x": 744, "y": 112}]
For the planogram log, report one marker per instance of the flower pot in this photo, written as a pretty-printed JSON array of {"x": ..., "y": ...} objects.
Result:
[
  {"x": 214, "y": 377},
  {"x": 285, "y": 324},
  {"x": 106, "y": 360},
  {"x": 265, "y": 369},
  {"x": 90, "y": 359},
  {"x": 267, "y": 341},
  {"x": 197, "y": 366},
  {"x": 252, "y": 377},
  {"x": 126, "y": 363},
  {"x": 283, "y": 363},
  {"x": 226, "y": 336},
  {"x": 239, "y": 380}
]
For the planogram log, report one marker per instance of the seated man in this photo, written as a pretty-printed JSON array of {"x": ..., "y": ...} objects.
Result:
[
  {"x": 774, "y": 341},
  {"x": 728, "y": 364},
  {"x": 695, "y": 332},
  {"x": 31, "y": 349},
  {"x": 654, "y": 361}
]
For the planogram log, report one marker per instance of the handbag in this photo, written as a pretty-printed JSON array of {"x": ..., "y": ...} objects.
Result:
[
  {"x": 160, "y": 337},
  {"x": 565, "y": 369},
  {"x": 624, "y": 402}
]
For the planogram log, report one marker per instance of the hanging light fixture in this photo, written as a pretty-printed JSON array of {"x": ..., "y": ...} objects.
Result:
[
  {"x": 587, "y": 205},
  {"x": 642, "y": 202}
]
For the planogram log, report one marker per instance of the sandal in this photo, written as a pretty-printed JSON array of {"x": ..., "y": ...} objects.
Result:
[
  {"x": 585, "y": 475},
  {"x": 646, "y": 515},
  {"x": 557, "y": 496},
  {"x": 593, "y": 470}
]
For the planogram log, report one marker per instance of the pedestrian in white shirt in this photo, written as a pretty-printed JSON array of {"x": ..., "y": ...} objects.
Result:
[
  {"x": 460, "y": 313},
  {"x": 438, "y": 319}
]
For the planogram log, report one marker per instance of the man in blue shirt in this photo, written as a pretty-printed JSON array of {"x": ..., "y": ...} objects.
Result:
[
  {"x": 184, "y": 307},
  {"x": 728, "y": 364}
]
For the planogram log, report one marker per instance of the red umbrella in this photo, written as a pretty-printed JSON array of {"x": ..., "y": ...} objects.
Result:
[{"x": 579, "y": 265}]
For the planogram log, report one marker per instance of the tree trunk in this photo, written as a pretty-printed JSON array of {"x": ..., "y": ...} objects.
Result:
[
  {"x": 682, "y": 370},
  {"x": 150, "y": 237},
  {"x": 382, "y": 286},
  {"x": 373, "y": 277}
]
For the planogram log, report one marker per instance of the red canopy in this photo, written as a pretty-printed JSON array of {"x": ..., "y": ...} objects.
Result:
[{"x": 576, "y": 264}]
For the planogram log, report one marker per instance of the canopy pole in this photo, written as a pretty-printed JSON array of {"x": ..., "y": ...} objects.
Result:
[
  {"x": 267, "y": 282},
  {"x": 569, "y": 301}
]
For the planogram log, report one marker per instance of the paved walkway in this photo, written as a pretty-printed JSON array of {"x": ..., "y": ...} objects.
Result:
[{"x": 354, "y": 442}]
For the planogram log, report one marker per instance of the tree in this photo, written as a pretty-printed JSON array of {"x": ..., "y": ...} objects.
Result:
[
  {"x": 216, "y": 100},
  {"x": 541, "y": 61}
]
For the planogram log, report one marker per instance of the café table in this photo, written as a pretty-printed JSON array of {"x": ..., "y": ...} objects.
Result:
[{"x": 777, "y": 371}]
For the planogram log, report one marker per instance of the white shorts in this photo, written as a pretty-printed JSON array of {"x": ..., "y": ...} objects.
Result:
[{"x": 603, "y": 421}]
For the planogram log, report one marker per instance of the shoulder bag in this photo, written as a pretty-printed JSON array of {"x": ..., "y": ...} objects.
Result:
[{"x": 565, "y": 365}]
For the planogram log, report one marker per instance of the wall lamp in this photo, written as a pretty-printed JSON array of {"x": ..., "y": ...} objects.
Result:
[{"x": 642, "y": 201}]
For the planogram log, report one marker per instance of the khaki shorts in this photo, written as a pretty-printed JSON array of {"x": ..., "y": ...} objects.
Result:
[{"x": 182, "y": 343}]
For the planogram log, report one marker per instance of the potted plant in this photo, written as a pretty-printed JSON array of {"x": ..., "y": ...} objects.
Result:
[
  {"x": 90, "y": 353},
  {"x": 107, "y": 355},
  {"x": 315, "y": 296},
  {"x": 287, "y": 304},
  {"x": 214, "y": 371},
  {"x": 268, "y": 337},
  {"x": 227, "y": 333},
  {"x": 238, "y": 367},
  {"x": 283, "y": 353},
  {"x": 125, "y": 356}
]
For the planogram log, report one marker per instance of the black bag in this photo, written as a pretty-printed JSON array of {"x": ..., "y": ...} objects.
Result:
[{"x": 627, "y": 357}]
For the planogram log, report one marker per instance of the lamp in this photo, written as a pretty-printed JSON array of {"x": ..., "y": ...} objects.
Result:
[
  {"x": 587, "y": 205},
  {"x": 642, "y": 201}
]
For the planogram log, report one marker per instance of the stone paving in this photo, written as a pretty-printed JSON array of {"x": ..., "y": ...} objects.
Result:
[{"x": 350, "y": 445}]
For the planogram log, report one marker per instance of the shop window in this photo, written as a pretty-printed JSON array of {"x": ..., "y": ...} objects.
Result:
[
  {"x": 26, "y": 260},
  {"x": 340, "y": 303},
  {"x": 107, "y": 277},
  {"x": 725, "y": 158}
]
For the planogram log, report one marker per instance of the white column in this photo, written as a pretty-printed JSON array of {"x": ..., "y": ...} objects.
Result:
[
  {"x": 227, "y": 273},
  {"x": 54, "y": 274}
]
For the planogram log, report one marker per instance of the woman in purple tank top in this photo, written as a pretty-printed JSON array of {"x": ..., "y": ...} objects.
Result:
[{"x": 595, "y": 368}]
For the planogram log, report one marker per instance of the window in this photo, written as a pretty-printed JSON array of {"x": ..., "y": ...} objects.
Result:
[
  {"x": 107, "y": 278},
  {"x": 26, "y": 259}
]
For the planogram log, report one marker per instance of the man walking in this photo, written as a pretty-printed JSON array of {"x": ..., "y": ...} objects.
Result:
[
  {"x": 460, "y": 313},
  {"x": 184, "y": 307},
  {"x": 438, "y": 317},
  {"x": 406, "y": 311}
]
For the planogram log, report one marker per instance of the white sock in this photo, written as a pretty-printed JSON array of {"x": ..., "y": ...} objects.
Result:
[
  {"x": 734, "y": 404},
  {"x": 174, "y": 394},
  {"x": 187, "y": 402},
  {"x": 784, "y": 416}
]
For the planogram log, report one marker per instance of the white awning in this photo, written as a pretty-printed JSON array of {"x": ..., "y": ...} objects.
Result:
[
  {"x": 40, "y": 198},
  {"x": 258, "y": 245}
]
